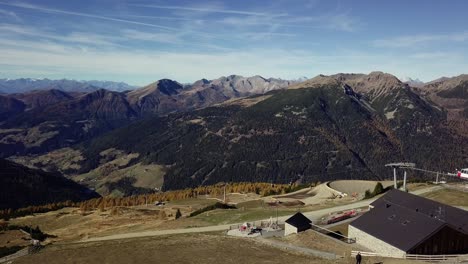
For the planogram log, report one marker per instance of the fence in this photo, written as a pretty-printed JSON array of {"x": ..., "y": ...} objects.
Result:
[
  {"x": 436, "y": 258},
  {"x": 23, "y": 252},
  {"x": 431, "y": 258},
  {"x": 262, "y": 224}
]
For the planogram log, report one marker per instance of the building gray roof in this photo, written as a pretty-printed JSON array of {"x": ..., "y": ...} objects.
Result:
[
  {"x": 299, "y": 220},
  {"x": 405, "y": 220}
]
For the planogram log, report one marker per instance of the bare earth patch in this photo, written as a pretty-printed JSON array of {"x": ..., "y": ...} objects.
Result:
[{"x": 356, "y": 187}]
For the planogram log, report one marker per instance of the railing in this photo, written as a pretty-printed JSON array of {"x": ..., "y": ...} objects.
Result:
[
  {"x": 432, "y": 258},
  {"x": 262, "y": 224},
  {"x": 435, "y": 257},
  {"x": 333, "y": 234},
  {"x": 23, "y": 252},
  {"x": 371, "y": 254}
]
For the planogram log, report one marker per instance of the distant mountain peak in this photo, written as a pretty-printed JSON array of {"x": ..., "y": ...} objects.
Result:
[
  {"x": 158, "y": 97},
  {"x": 374, "y": 84},
  {"x": 201, "y": 82},
  {"x": 317, "y": 81},
  {"x": 378, "y": 75},
  {"x": 169, "y": 87},
  {"x": 164, "y": 86},
  {"x": 446, "y": 83},
  {"x": 23, "y": 85},
  {"x": 412, "y": 82}
]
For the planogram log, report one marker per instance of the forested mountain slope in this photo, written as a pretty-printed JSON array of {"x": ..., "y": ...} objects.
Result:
[
  {"x": 317, "y": 130},
  {"x": 21, "y": 186}
]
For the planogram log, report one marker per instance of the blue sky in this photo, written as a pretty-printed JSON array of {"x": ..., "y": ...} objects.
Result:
[{"x": 141, "y": 41}]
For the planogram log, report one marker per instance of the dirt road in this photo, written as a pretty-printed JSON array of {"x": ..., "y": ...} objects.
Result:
[{"x": 313, "y": 215}]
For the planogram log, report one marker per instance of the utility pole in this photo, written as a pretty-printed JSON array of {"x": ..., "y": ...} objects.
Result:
[
  {"x": 224, "y": 199},
  {"x": 404, "y": 181},
  {"x": 276, "y": 215},
  {"x": 394, "y": 178}
]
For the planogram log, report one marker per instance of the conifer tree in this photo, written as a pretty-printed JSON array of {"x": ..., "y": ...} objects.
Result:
[{"x": 178, "y": 214}]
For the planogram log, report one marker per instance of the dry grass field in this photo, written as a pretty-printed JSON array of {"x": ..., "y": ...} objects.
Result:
[
  {"x": 314, "y": 240},
  {"x": 70, "y": 224},
  {"x": 449, "y": 196},
  {"x": 200, "y": 248},
  {"x": 13, "y": 238}
]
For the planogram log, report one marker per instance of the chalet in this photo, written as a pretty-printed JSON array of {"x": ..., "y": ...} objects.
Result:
[
  {"x": 296, "y": 223},
  {"x": 400, "y": 223}
]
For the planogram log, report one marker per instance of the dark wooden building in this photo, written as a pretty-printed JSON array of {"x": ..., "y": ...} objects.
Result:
[
  {"x": 400, "y": 223},
  {"x": 296, "y": 223}
]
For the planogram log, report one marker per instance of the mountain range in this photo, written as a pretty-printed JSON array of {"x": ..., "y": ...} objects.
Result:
[
  {"x": 61, "y": 119},
  {"x": 240, "y": 129},
  {"x": 341, "y": 126},
  {"x": 23, "y": 85}
]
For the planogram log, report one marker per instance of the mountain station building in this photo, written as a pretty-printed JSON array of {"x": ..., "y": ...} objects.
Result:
[
  {"x": 296, "y": 223},
  {"x": 401, "y": 223}
]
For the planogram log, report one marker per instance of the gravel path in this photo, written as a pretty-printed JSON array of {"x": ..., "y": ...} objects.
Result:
[{"x": 313, "y": 215}]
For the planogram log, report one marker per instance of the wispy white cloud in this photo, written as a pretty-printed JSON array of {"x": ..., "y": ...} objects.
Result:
[
  {"x": 9, "y": 14},
  {"x": 249, "y": 21},
  {"x": 79, "y": 14},
  {"x": 161, "y": 17},
  {"x": 263, "y": 35},
  {"x": 334, "y": 21},
  {"x": 10, "y": 31},
  {"x": 7, "y": 45},
  {"x": 416, "y": 40},
  {"x": 433, "y": 55},
  {"x": 207, "y": 10},
  {"x": 190, "y": 42},
  {"x": 342, "y": 22},
  {"x": 154, "y": 37},
  {"x": 311, "y": 3},
  {"x": 143, "y": 66},
  {"x": 12, "y": 34}
]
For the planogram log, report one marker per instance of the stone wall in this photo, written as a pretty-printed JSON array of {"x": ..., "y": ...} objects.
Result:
[
  {"x": 374, "y": 244},
  {"x": 289, "y": 229}
]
